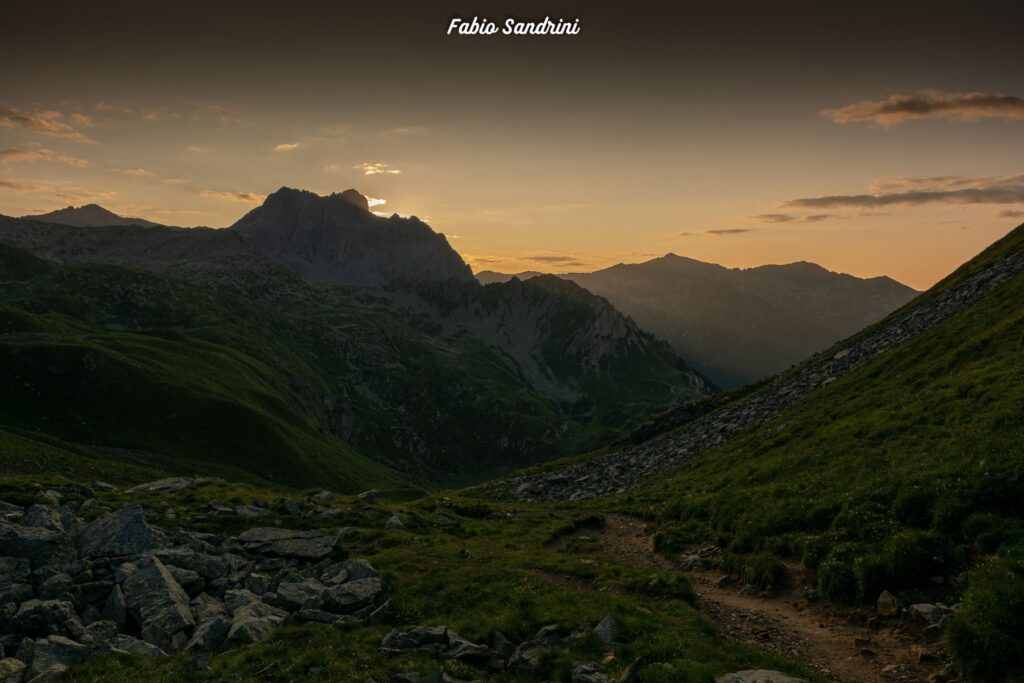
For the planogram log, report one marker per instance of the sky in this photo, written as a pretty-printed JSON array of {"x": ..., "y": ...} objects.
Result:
[{"x": 872, "y": 138}]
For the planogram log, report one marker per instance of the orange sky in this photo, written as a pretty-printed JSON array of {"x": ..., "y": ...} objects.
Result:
[{"x": 870, "y": 149}]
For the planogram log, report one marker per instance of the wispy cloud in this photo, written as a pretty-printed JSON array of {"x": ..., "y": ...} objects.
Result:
[
  {"x": 789, "y": 218},
  {"x": 12, "y": 155},
  {"x": 246, "y": 197},
  {"x": 197, "y": 149},
  {"x": 375, "y": 201},
  {"x": 49, "y": 123},
  {"x": 135, "y": 172},
  {"x": 719, "y": 232},
  {"x": 368, "y": 168},
  {"x": 917, "y": 191},
  {"x": 1011, "y": 213},
  {"x": 16, "y": 185},
  {"x": 285, "y": 146},
  {"x": 564, "y": 260},
  {"x": 174, "y": 181},
  {"x": 84, "y": 196},
  {"x": 930, "y": 104}
]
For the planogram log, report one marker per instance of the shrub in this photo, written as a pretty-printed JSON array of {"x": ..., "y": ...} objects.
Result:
[
  {"x": 864, "y": 522},
  {"x": 764, "y": 570},
  {"x": 836, "y": 581},
  {"x": 816, "y": 548},
  {"x": 949, "y": 515},
  {"x": 984, "y": 637},
  {"x": 872, "y": 577},
  {"x": 914, "y": 507},
  {"x": 911, "y": 557}
]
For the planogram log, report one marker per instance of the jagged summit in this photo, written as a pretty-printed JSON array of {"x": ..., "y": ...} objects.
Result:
[
  {"x": 336, "y": 239},
  {"x": 88, "y": 216}
]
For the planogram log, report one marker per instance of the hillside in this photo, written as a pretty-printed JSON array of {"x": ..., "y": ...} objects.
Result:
[
  {"x": 739, "y": 325},
  {"x": 88, "y": 216},
  {"x": 899, "y": 469},
  {"x": 322, "y": 384}
]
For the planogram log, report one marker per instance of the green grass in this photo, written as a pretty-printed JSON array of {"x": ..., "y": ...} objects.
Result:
[{"x": 471, "y": 566}]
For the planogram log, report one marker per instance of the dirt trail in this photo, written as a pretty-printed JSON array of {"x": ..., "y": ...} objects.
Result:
[{"x": 785, "y": 622}]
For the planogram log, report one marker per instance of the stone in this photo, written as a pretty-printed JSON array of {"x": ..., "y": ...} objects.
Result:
[
  {"x": 134, "y": 646},
  {"x": 466, "y": 651},
  {"x": 258, "y": 583},
  {"x": 290, "y": 507},
  {"x": 159, "y": 605},
  {"x": 254, "y": 623},
  {"x": 207, "y": 566},
  {"x": 293, "y": 595},
  {"x": 44, "y": 617},
  {"x": 37, "y": 545},
  {"x": 605, "y": 629},
  {"x": 527, "y": 656},
  {"x": 758, "y": 676},
  {"x": 210, "y": 634},
  {"x": 11, "y": 670},
  {"x": 309, "y": 545},
  {"x": 887, "y": 605},
  {"x": 189, "y": 580},
  {"x": 60, "y": 586},
  {"x": 502, "y": 645},
  {"x": 588, "y": 672},
  {"x": 119, "y": 534},
  {"x": 116, "y": 609},
  {"x": 399, "y": 640},
  {"x": 394, "y": 522},
  {"x": 926, "y": 614},
  {"x": 101, "y": 631},
  {"x": 55, "y": 654},
  {"x": 369, "y": 496},
  {"x": 168, "y": 485},
  {"x": 349, "y": 597},
  {"x": 549, "y": 634},
  {"x": 44, "y": 517}
]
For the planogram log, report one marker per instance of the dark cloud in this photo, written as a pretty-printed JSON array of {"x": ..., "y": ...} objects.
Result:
[
  {"x": 729, "y": 231},
  {"x": 570, "y": 260},
  {"x": 247, "y": 197},
  {"x": 788, "y": 218},
  {"x": 946, "y": 190},
  {"x": 930, "y": 104}
]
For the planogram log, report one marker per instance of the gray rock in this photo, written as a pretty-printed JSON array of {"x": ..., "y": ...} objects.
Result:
[
  {"x": 207, "y": 566},
  {"x": 11, "y": 670},
  {"x": 210, "y": 634},
  {"x": 369, "y": 496},
  {"x": 118, "y": 534},
  {"x": 605, "y": 630},
  {"x": 758, "y": 676},
  {"x": 926, "y": 614},
  {"x": 37, "y": 545},
  {"x": 60, "y": 586},
  {"x": 159, "y": 605},
  {"x": 258, "y": 583},
  {"x": 100, "y": 631},
  {"x": 549, "y": 634},
  {"x": 290, "y": 507},
  {"x": 189, "y": 581},
  {"x": 527, "y": 656},
  {"x": 394, "y": 522},
  {"x": 588, "y": 672},
  {"x": 502, "y": 645},
  {"x": 399, "y": 640},
  {"x": 321, "y": 617},
  {"x": 293, "y": 595},
  {"x": 116, "y": 609},
  {"x": 169, "y": 485},
  {"x": 206, "y": 607},
  {"x": 887, "y": 605},
  {"x": 44, "y": 617},
  {"x": 469, "y": 652},
  {"x": 54, "y": 654},
  {"x": 134, "y": 646},
  {"x": 44, "y": 517},
  {"x": 349, "y": 597},
  {"x": 254, "y": 623},
  {"x": 309, "y": 545}
]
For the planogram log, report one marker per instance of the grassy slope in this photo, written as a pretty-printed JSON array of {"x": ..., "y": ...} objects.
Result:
[{"x": 472, "y": 567}]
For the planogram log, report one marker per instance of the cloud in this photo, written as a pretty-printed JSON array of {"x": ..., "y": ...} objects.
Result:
[
  {"x": 16, "y": 185},
  {"x": 570, "y": 260},
  {"x": 84, "y": 196},
  {"x": 717, "y": 231},
  {"x": 137, "y": 172},
  {"x": 175, "y": 181},
  {"x": 285, "y": 146},
  {"x": 917, "y": 191},
  {"x": 1011, "y": 213},
  {"x": 376, "y": 169},
  {"x": 247, "y": 197},
  {"x": 375, "y": 201},
  {"x": 50, "y": 123},
  {"x": 197, "y": 149},
  {"x": 12, "y": 155},
  {"x": 789, "y": 218},
  {"x": 929, "y": 104}
]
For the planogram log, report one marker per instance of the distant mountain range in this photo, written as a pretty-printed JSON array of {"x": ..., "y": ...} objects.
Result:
[
  {"x": 242, "y": 358},
  {"x": 739, "y": 325}
]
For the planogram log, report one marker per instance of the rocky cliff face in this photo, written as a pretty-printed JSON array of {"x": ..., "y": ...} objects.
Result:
[{"x": 337, "y": 240}]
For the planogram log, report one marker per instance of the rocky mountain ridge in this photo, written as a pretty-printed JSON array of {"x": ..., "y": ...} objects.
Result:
[
  {"x": 628, "y": 467},
  {"x": 88, "y": 216}
]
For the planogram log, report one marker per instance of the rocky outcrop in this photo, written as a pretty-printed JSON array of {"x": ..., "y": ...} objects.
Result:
[
  {"x": 336, "y": 239},
  {"x": 626, "y": 468},
  {"x": 118, "y": 585}
]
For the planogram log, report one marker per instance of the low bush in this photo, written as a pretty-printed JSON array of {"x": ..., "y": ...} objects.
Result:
[{"x": 984, "y": 637}]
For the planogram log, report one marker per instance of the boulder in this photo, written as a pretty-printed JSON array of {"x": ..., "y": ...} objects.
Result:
[
  {"x": 207, "y": 566},
  {"x": 11, "y": 670},
  {"x": 116, "y": 609},
  {"x": 44, "y": 517},
  {"x": 394, "y": 522},
  {"x": 293, "y": 595},
  {"x": 926, "y": 614},
  {"x": 210, "y": 634},
  {"x": 254, "y": 623},
  {"x": 54, "y": 654},
  {"x": 605, "y": 630},
  {"x": 502, "y": 645},
  {"x": 290, "y": 507},
  {"x": 466, "y": 651},
  {"x": 159, "y": 605},
  {"x": 887, "y": 605},
  {"x": 349, "y": 570},
  {"x": 527, "y": 656},
  {"x": 168, "y": 485},
  {"x": 308, "y": 545},
  {"x": 119, "y": 534},
  {"x": 354, "y": 595},
  {"x": 15, "y": 583},
  {"x": 37, "y": 545},
  {"x": 588, "y": 672},
  {"x": 417, "y": 637},
  {"x": 45, "y": 617},
  {"x": 758, "y": 676},
  {"x": 134, "y": 646},
  {"x": 369, "y": 496},
  {"x": 189, "y": 581}
]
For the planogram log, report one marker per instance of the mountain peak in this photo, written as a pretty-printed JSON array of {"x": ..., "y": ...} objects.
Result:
[
  {"x": 87, "y": 216},
  {"x": 338, "y": 240}
]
